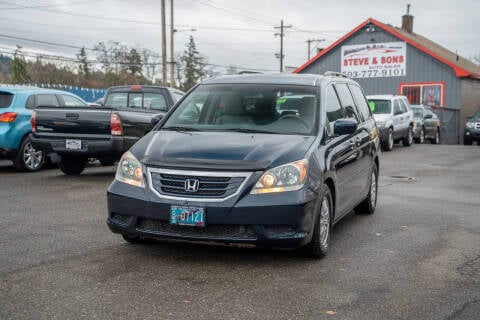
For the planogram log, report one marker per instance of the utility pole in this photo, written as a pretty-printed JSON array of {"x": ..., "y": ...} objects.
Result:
[
  {"x": 164, "y": 47},
  {"x": 281, "y": 34},
  {"x": 310, "y": 41},
  {"x": 172, "y": 57}
]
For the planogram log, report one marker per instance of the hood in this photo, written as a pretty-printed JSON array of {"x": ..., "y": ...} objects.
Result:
[
  {"x": 221, "y": 150},
  {"x": 383, "y": 117}
]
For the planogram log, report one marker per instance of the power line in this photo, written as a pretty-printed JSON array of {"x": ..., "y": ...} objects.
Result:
[
  {"x": 20, "y": 7},
  {"x": 44, "y": 42}
]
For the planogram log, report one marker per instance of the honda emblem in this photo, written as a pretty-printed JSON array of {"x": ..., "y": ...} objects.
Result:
[{"x": 192, "y": 185}]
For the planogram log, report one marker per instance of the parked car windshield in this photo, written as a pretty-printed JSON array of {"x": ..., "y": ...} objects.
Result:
[
  {"x": 417, "y": 112},
  {"x": 247, "y": 108},
  {"x": 381, "y": 106}
]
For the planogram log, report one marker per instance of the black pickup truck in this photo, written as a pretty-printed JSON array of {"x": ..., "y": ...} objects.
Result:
[{"x": 106, "y": 132}]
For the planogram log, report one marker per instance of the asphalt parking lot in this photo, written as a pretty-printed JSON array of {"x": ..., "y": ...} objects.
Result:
[{"x": 417, "y": 257}]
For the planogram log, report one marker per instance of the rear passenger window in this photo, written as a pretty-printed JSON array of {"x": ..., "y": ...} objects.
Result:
[
  {"x": 333, "y": 107},
  {"x": 361, "y": 101},
  {"x": 155, "y": 101},
  {"x": 5, "y": 99},
  {"x": 47, "y": 100},
  {"x": 347, "y": 101}
]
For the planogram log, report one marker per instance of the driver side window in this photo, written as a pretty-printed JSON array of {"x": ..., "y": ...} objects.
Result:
[{"x": 332, "y": 106}]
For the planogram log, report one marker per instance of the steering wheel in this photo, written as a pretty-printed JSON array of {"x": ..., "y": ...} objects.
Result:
[{"x": 291, "y": 116}]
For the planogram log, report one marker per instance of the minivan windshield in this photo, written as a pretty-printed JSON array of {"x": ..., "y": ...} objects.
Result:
[
  {"x": 250, "y": 108},
  {"x": 381, "y": 106}
]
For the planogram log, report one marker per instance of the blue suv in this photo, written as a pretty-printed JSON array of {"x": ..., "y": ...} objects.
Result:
[{"x": 16, "y": 107}]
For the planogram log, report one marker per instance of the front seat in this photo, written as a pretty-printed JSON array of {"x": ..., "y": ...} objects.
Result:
[{"x": 233, "y": 111}]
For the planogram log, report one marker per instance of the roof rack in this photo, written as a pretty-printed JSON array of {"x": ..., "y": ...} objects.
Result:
[{"x": 335, "y": 74}]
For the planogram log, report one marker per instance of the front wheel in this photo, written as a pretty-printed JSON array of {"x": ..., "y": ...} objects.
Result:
[
  {"x": 72, "y": 166},
  {"x": 388, "y": 144},
  {"x": 467, "y": 141},
  {"x": 436, "y": 140},
  {"x": 28, "y": 158},
  {"x": 318, "y": 247},
  {"x": 421, "y": 137}
]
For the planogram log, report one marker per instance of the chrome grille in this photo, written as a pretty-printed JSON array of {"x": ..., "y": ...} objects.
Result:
[
  {"x": 226, "y": 232},
  {"x": 211, "y": 185},
  {"x": 477, "y": 125}
]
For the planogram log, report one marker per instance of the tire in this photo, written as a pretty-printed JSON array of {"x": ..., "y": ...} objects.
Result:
[
  {"x": 72, "y": 166},
  {"x": 467, "y": 141},
  {"x": 388, "y": 144},
  {"x": 133, "y": 240},
  {"x": 318, "y": 246},
  {"x": 436, "y": 140},
  {"x": 369, "y": 204},
  {"x": 27, "y": 158},
  {"x": 421, "y": 138},
  {"x": 408, "y": 140}
]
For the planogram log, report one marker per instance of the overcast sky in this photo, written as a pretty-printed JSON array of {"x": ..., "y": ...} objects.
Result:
[{"x": 239, "y": 33}]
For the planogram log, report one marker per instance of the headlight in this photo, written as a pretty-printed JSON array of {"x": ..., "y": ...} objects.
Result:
[
  {"x": 288, "y": 177},
  {"x": 380, "y": 124},
  {"x": 130, "y": 170},
  {"x": 470, "y": 125}
]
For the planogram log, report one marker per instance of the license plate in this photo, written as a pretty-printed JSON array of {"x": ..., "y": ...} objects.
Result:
[
  {"x": 187, "y": 216},
  {"x": 73, "y": 144}
]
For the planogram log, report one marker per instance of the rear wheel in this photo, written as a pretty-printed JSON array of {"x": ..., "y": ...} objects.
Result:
[
  {"x": 407, "y": 141},
  {"x": 436, "y": 140},
  {"x": 318, "y": 247},
  {"x": 28, "y": 158},
  {"x": 368, "y": 205},
  {"x": 72, "y": 166}
]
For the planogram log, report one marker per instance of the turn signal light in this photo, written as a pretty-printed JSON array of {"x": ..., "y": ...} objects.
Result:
[
  {"x": 116, "y": 128},
  {"x": 8, "y": 116}
]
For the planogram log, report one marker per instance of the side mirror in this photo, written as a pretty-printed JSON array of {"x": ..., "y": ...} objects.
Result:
[
  {"x": 156, "y": 119},
  {"x": 345, "y": 126},
  {"x": 428, "y": 116}
]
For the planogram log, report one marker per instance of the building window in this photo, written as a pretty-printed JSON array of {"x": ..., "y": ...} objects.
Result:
[{"x": 426, "y": 93}]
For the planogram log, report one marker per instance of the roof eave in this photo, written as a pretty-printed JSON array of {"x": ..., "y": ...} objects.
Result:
[{"x": 459, "y": 72}]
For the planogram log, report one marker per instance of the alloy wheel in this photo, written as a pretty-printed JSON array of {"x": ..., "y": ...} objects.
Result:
[
  {"x": 324, "y": 222},
  {"x": 373, "y": 189},
  {"x": 32, "y": 158}
]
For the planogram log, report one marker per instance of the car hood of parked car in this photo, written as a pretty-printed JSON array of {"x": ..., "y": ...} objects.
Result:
[
  {"x": 382, "y": 117},
  {"x": 220, "y": 150}
]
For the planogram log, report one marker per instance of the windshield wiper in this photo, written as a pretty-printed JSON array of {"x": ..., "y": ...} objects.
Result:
[
  {"x": 247, "y": 130},
  {"x": 180, "y": 128}
]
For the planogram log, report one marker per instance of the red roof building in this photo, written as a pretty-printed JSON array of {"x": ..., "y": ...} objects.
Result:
[{"x": 386, "y": 59}]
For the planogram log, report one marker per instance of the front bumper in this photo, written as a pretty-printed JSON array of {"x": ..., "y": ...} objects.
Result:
[
  {"x": 282, "y": 220},
  {"x": 472, "y": 134}
]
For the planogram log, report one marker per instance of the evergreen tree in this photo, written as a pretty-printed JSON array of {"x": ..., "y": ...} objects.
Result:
[
  {"x": 134, "y": 63},
  {"x": 84, "y": 64},
  {"x": 19, "y": 67},
  {"x": 194, "y": 65}
]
